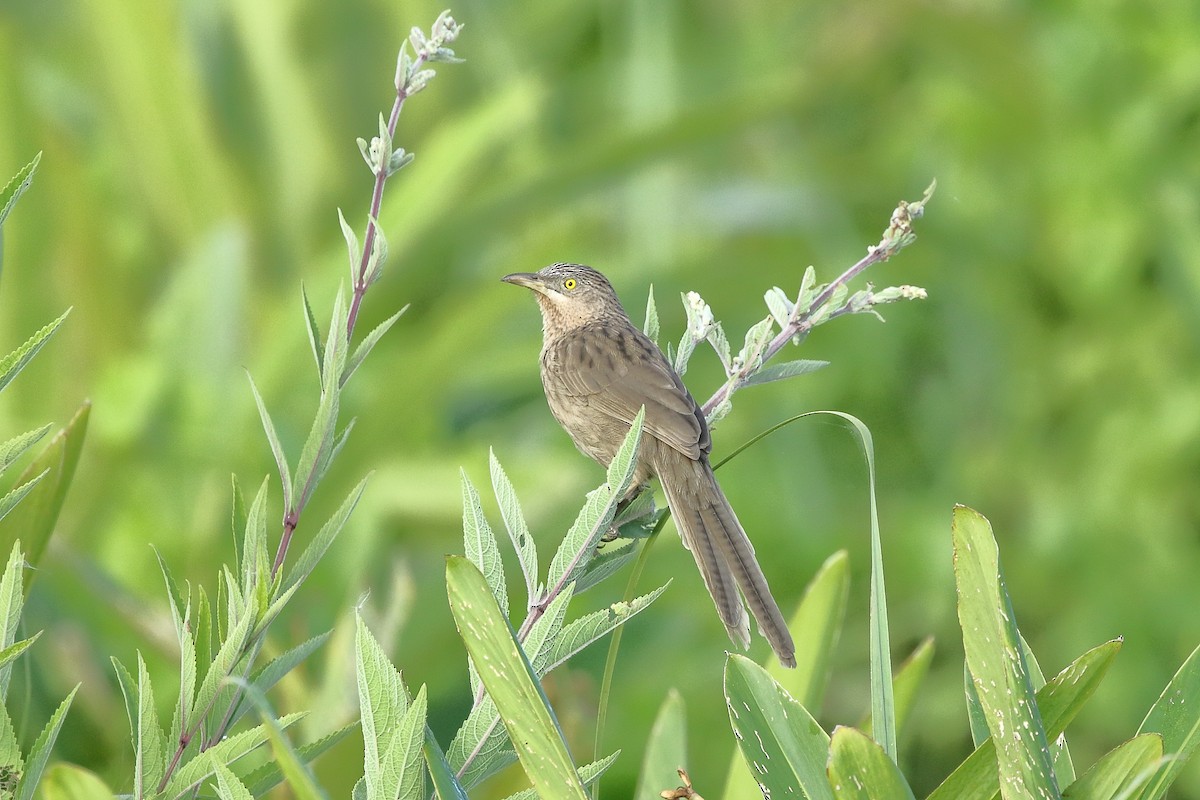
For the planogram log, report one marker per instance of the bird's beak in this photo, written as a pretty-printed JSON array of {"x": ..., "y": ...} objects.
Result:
[{"x": 529, "y": 280}]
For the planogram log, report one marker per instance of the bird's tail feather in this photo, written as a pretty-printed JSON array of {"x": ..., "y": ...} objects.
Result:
[{"x": 711, "y": 530}]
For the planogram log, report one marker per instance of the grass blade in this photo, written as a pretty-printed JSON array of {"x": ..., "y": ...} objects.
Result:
[
  {"x": 860, "y": 770},
  {"x": 784, "y": 746},
  {"x": 996, "y": 660}
]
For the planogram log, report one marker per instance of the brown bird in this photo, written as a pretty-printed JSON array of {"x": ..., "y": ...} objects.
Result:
[{"x": 598, "y": 370}]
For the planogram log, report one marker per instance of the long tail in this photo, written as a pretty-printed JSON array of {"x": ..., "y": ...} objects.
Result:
[{"x": 711, "y": 530}]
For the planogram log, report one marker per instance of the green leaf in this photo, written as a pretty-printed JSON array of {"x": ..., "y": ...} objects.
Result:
[
  {"x": 909, "y": 677},
  {"x": 1120, "y": 771},
  {"x": 392, "y": 737},
  {"x": 883, "y": 710},
  {"x": 860, "y": 770},
  {"x": 10, "y": 750},
  {"x": 13, "y": 651},
  {"x": 546, "y": 629},
  {"x": 788, "y": 369},
  {"x": 369, "y": 341},
  {"x": 587, "y": 773},
  {"x": 34, "y": 520},
  {"x": 230, "y": 653},
  {"x": 780, "y": 741},
  {"x": 325, "y": 537},
  {"x": 408, "y": 748},
  {"x": 514, "y": 523},
  {"x": 292, "y": 767},
  {"x": 1058, "y": 701},
  {"x": 254, "y": 550},
  {"x": 226, "y": 751},
  {"x": 314, "y": 332},
  {"x": 318, "y": 446},
  {"x": 351, "y": 245},
  {"x": 579, "y": 633},
  {"x": 15, "y": 447},
  {"x": 780, "y": 306},
  {"x": 228, "y": 785},
  {"x": 510, "y": 682},
  {"x": 285, "y": 476},
  {"x": 187, "y": 684},
  {"x": 605, "y": 562},
  {"x": 906, "y": 682},
  {"x": 69, "y": 782},
  {"x": 268, "y": 776},
  {"x": 39, "y": 754},
  {"x": 445, "y": 782},
  {"x": 150, "y": 749},
  {"x": 579, "y": 545},
  {"x": 651, "y": 327},
  {"x": 996, "y": 662},
  {"x": 666, "y": 749},
  {"x": 1175, "y": 715},
  {"x": 17, "y": 186},
  {"x": 12, "y": 600},
  {"x": 9, "y": 501},
  {"x": 480, "y": 543},
  {"x": 281, "y": 665},
  {"x": 816, "y": 626},
  {"x": 483, "y": 740},
  {"x": 15, "y": 361}
]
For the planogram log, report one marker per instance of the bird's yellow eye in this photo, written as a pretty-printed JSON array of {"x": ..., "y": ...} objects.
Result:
[{"x": 570, "y": 283}]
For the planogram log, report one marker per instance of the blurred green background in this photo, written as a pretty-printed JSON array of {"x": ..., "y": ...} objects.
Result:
[{"x": 195, "y": 156}]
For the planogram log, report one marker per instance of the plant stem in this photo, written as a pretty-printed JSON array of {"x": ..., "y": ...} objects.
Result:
[{"x": 381, "y": 176}]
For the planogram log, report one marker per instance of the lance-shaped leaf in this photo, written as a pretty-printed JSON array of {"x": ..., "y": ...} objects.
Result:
[
  {"x": 579, "y": 633},
  {"x": 1058, "y": 701},
  {"x": 150, "y": 747},
  {"x": 393, "y": 728},
  {"x": 480, "y": 543},
  {"x": 268, "y": 776},
  {"x": 514, "y": 523},
  {"x": 229, "y": 787},
  {"x": 369, "y": 341},
  {"x": 445, "y": 783},
  {"x": 39, "y": 754},
  {"x": 9, "y": 501},
  {"x": 511, "y": 683},
  {"x": 651, "y": 326},
  {"x": 12, "y": 600},
  {"x": 254, "y": 549},
  {"x": 15, "y": 361},
  {"x": 788, "y": 369},
  {"x": 579, "y": 545},
  {"x": 860, "y": 770},
  {"x": 16, "y": 187},
  {"x": 780, "y": 741},
  {"x": 1121, "y": 771},
  {"x": 1175, "y": 715},
  {"x": 314, "y": 333},
  {"x": 15, "y": 447},
  {"x": 227, "y": 751},
  {"x": 285, "y": 475},
  {"x": 35, "y": 518},
  {"x": 666, "y": 749},
  {"x": 325, "y": 537},
  {"x": 998, "y": 668},
  {"x": 588, "y": 773}
]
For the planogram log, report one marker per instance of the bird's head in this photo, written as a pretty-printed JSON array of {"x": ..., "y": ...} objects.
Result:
[{"x": 569, "y": 295}]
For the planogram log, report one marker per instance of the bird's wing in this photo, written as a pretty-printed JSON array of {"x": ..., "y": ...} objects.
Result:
[{"x": 617, "y": 370}]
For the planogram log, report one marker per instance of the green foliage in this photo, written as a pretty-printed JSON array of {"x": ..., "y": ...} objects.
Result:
[
  {"x": 790, "y": 754},
  {"x": 1052, "y": 378}
]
